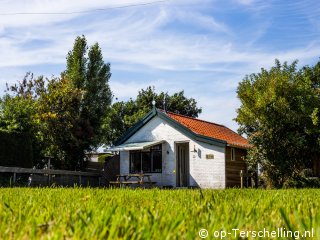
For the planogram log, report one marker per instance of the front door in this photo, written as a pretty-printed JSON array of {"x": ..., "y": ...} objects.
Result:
[{"x": 182, "y": 164}]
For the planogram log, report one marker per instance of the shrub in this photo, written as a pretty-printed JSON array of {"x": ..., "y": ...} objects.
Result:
[
  {"x": 15, "y": 150},
  {"x": 302, "y": 182}
]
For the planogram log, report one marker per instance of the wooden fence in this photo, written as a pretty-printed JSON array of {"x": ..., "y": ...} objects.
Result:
[
  {"x": 49, "y": 177},
  {"x": 111, "y": 169},
  {"x": 248, "y": 179}
]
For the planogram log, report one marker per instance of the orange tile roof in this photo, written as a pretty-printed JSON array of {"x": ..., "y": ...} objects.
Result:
[{"x": 211, "y": 130}]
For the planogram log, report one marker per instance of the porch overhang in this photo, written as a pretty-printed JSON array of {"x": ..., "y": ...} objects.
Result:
[{"x": 134, "y": 146}]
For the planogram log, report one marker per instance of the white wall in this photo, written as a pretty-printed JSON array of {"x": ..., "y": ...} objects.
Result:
[{"x": 203, "y": 173}]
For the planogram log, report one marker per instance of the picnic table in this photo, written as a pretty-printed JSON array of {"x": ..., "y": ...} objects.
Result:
[{"x": 140, "y": 179}]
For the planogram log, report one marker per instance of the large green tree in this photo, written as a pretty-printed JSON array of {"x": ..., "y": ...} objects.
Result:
[
  {"x": 57, "y": 112},
  {"x": 63, "y": 115},
  {"x": 280, "y": 115},
  {"x": 44, "y": 110},
  {"x": 18, "y": 110},
  {"x": 124, "y": 115},
  {"x": 88, "y": 73}
]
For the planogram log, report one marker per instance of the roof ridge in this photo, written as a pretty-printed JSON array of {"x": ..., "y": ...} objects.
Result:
[
  {"x": 200, "y": 120},
  {"x": 209, "y": 134}
]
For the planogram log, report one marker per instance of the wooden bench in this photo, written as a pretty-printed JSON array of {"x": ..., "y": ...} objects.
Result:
[
  {"x": 140, "y": 180},
  {"x": 131, "y": 182},
  {"x": 113, "y": 182}
]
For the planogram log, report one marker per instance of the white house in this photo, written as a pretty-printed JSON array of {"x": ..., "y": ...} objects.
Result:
[{"x": 180, "y": 151}]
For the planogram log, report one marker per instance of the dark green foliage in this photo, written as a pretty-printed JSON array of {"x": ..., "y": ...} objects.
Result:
[
  {"x": 42, "y": 109},
  {"x": 89, "y": 74},
  {"x": 279, "y": 114},
  {"x": 15, "y": 150},
  {"x": 124, "y": 115},
  {"x": 302, "y": 182},
  {"x": 17, "y": 112},
  {"x": 57, "y": 115},
  {"x": 62, "y": 116},
  {"x": 177, "y": 102}
]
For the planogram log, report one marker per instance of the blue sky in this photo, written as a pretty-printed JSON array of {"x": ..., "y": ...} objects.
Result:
[{"x": 204, "y": 47}]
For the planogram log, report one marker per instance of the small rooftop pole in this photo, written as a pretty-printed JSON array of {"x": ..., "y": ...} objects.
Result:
[
  {"x": 153, "y": 104},
  {"x": 164, "y": 103}
]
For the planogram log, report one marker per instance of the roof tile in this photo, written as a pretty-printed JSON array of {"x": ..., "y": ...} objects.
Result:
[{"x": 211, "y": 130}]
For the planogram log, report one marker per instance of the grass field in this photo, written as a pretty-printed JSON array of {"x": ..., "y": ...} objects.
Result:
[{"x": 76, "y": 213}]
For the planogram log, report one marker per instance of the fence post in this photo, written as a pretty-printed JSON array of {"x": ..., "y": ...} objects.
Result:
[
  {"x": 14, "y": 178},
  {"x": 48, "y": 175},
  {"x": 241, "y": 178},
  {"x": 49, "y": 179},
  {"x": 49, "y": 166}
]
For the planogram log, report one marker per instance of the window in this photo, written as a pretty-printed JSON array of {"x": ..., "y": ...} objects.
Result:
[
  {"x": 233, "y": 154},
  {"x": 147, "y": 161}
]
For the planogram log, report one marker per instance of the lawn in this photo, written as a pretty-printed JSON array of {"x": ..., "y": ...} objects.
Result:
[{"x": 83, "y": 213}]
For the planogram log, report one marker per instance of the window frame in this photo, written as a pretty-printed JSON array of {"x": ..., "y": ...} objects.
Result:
[
  {"x": 151, "y": 151},
  {"x": 233, "y": 154}
]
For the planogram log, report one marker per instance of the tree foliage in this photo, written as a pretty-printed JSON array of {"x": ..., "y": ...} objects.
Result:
[
  {"x": 43, "y": 109},
  {"x": 124, "y": 115},
  {"x": 279, "y": 114},
  {"x": 18, "y": 110},
  {"x": 62, "y": 115},
  {"x": 15, "y": 149},
  {"x": 57, "y": 114},
  {"x": 89, "y": 74}
]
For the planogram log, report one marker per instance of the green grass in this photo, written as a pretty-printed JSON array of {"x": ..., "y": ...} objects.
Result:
[{"x": 76, "y": 213}]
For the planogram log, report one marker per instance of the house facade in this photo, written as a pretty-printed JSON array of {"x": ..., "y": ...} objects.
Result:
[{"x": 180, "y": 151}]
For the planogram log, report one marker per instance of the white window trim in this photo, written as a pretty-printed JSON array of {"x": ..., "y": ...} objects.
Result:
[{"x": 233, "y": 154}]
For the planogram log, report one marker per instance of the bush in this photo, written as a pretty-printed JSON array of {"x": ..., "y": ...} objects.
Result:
[
  {"x": 302, "y": 182},
  {"x": 15, "y": 150}
]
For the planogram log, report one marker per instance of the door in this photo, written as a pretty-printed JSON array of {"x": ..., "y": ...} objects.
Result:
[{"x": 182, "y": 164}]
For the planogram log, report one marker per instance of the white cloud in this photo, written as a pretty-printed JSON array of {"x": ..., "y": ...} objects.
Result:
[
  {"x": 171, "y": 39},
  {"x": 122, "y": 91},
  {"x": 219, "y": 109},
  {"x": 131, "y": 37},
  {"x": 199, "y": 20},
  {"x": 245, "y": 2}
]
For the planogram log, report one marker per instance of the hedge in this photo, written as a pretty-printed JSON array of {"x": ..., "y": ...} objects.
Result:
[{"x": 15, "y": 150}]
